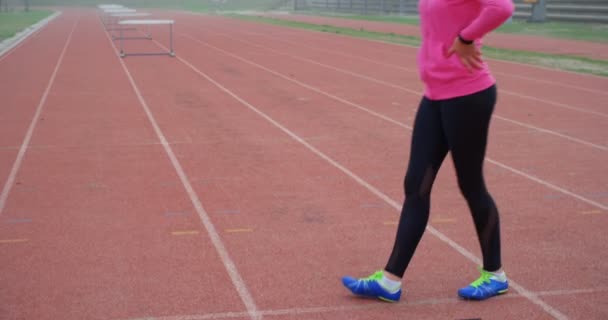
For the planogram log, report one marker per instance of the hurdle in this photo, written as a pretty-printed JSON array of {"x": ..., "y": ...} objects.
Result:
[
  {"x": 169, "y": 23},
  {"x": 119, "y": 10},
  {"x": 119, "y": 16},
  {"x": 106, "y": 15},
  {"x": 110, "y": 6}
]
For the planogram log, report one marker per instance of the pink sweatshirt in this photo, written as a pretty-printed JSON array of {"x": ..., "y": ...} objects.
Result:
[{"x": 441, "y": 22}]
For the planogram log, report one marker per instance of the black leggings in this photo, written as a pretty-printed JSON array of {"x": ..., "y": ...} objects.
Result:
[{"x": 459, "y": 125}]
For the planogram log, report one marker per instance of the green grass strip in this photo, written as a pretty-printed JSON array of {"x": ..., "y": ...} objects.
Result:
[
  {"x": 207, "y": 6},
  {"x": 575, "y": 31},
  {"x": 593, "y": 32},
  {"x": 563, "y": 62},
  {"x": 359, "y": 33},
  {"x": 13, "y": 22}
]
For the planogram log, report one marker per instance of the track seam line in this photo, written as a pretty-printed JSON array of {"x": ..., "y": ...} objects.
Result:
[
  {"x": 523, "y": 291},
  {"x": 229, "y": 265},
  {"x": 30, "y": 131},
  {"x": 418, "y": 93},
  {"x": 388, "y": 119}
]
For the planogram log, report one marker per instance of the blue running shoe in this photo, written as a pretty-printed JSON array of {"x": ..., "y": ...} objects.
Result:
[
  {"x": 371, "y": 288},
  {"x": 485, "y": 287}
]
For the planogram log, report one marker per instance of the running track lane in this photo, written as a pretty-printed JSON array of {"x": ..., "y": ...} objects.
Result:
[
  {"x": 25, "y": 73},
  {"x": 589, "y": 49},
  {"x": 578, "y": 163},
  {"x": 230, "y": 68},
  {"x": 525, "y": 78},
  {"x": 109, "y": 233},
  {"x": 288, "y": 216}
]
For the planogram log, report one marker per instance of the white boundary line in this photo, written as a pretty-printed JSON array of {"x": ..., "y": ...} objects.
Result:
[
  {"x": 520, "y": 289},
  {"x": 299, "y": 30},
  {"x": 403, "y": 125},
  {"x": 555, "y": 103},
  {"x": 553, "y": 83},
  {"x": 520, "y": 95},
  {"x": 570, "y": 86},
  {"x": 231, "y": 269},
  {"x": 8, "y": 46},
  {"x": 555, "y": 133},
  {"x": 30, "y": 131},
  {"x": 419, "y": 93},
  {"x": 415, "y": 47},
  {"x": 551, "y": 69},
  {"x": 353, "y": 307}
]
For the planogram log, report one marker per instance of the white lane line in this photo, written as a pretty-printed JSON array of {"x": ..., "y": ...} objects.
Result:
[
  {"x": 520, "y": 289},
  {"x": 298, "y": 32},
  {"x": 351, "y": 308},
  {"x": 235, "y": 277},
  {"x": 555, "y": 133},
  {"x": 523, "y": 96},
  {"x": 419, "y": 93},
  {"x": 549, "y": 185},
  {"x": 556, "y": 104},
  {"x": 30, "y": 131},
  {"x": 553, "y": 83},
  {"x": 531, "y": 66},
  {"x": 403, "y": 125}
]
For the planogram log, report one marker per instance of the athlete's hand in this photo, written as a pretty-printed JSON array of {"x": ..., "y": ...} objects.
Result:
[{"x": 469, "y": 54}]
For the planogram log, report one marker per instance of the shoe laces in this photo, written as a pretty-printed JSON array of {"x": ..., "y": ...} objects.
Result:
[
  {"x": 374, "y": 277},
  {"x": 484, "y": 278}
]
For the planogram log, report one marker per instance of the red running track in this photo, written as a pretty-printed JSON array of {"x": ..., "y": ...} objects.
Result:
[
  {"x": 520, "y": 42},
  {"x": 298, "y": 182}
]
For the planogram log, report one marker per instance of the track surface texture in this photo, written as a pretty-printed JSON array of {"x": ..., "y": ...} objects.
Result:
[
  {"x": 581, "y": 48},
  {"x": 242, "y": 178}
]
